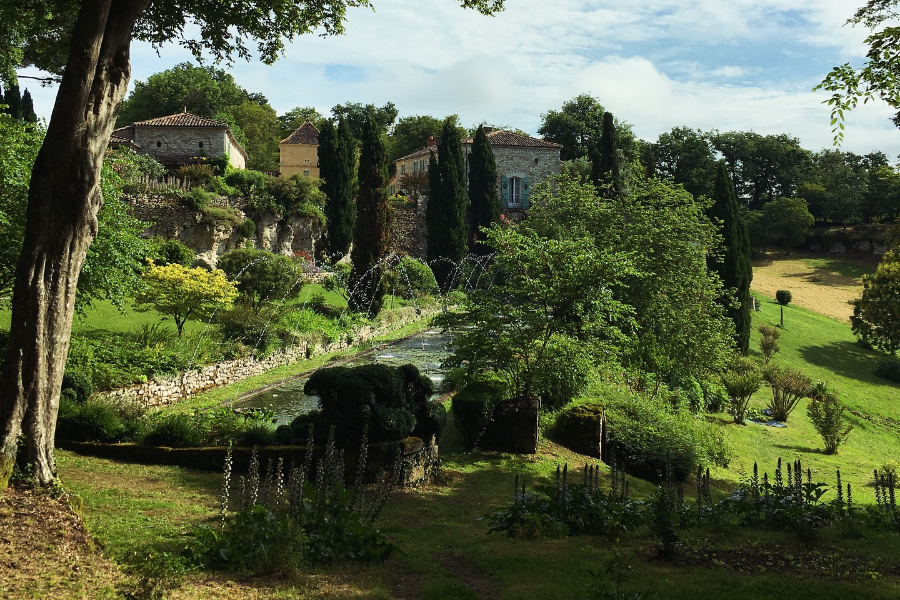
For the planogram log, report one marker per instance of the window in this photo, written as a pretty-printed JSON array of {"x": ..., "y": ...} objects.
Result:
[
  {"x": 515, "y": 192},
  {"x": 306, "y": 172},
  {"x": 159, "y": 144},
  {"x": 403, "y": 168},
  {"x": 201, "y": 144}
]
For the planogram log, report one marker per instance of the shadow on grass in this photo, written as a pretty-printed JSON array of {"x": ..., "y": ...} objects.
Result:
[
  {"x": 825, "y": 277},
  {"x": 801, "y": 449},
  {"x": 845, "y": 358}
]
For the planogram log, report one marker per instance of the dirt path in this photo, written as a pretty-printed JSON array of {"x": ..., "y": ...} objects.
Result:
[{"x": 822, "y": 283}]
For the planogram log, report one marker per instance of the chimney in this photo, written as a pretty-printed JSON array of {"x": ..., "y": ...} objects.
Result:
[
  {"x": 432, "y": 141},
  {"x": 488, "y": 129}
]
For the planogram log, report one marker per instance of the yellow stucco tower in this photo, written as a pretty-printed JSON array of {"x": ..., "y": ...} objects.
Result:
[{"x": 300, "y": 152}]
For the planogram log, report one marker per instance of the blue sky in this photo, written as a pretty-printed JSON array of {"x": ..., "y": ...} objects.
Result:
[{"x": 657, "y": 64}]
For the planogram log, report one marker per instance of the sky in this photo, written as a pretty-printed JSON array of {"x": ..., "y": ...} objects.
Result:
[{"x": 747, "y": 65}]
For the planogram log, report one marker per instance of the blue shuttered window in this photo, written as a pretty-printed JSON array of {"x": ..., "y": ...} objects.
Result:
[
  {"x": 526, "y": 193},
  {"x": 504, "y": 192}
]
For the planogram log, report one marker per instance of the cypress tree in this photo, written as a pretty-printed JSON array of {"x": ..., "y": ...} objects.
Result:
[
  {"x": 336, "y": 162},
  {"x": 482, "y": 191},
  {"x": 13, "y": 101},
  {"x": 446, "y": 210},
  {"x": 28, "y": 113},
  {"x": 606, "y": 168},
  {"x": 733, "y": 266},
  {"x": 371, "y": 234}
]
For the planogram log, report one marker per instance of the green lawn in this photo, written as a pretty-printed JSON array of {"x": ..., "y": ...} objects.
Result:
[{"x": 824, "y": 349}]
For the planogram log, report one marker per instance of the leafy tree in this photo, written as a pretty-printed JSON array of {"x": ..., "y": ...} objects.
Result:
[
  {"x": 357, "y": 115},
  {"x": 876, "y": 314},
  {"x": 261, "y": 128},
  {"x": 547, "y": 292},
  {"x": 826, "y": 412},
  {"x": 371, "y": 233},
  {"x": 878, "y": 77},
  {"x": 578, "y": 126},
  {"x": 202, "y": 91},
  {"x": 733, "y": 265},
  {"x": 843, "y": 181},
  {"x": 184, "y": 293},
  {"x": 445, "y": 214},
  {"x": 262, "y": 277},
  {"x": 337, "y": 162},
  {"x": 762, "y": 168},
  {"x": 297, "y": 116},
  {"x": 64, "y": 197},
  {"x": 167, "y": 252},
  {"x": 787, "y": 220},
  {"x": 415, "y": 184},
  {"x": 881, "y": 199},
  {"x": 685, "y": 156},
  {"x": 482, "y": 191},
  {"x": 607, "y": 164},
  {"x": 411, "y": 133}
]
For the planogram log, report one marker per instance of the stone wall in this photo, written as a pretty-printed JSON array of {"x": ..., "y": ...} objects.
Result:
[
  {"x": 185, "y": 142},
  {"x": 170, "y": 390},
  {"x": 210, "y": 238},
  {"x": 537, "y": 164},
  {"x": 408, "y": 233}
]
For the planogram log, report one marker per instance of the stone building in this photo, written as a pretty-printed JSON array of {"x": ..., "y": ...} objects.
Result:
[
  {"x": 176, "y": 139},
  {"x": 300, "y": 152},
  {"x": 522, "y": 162}
]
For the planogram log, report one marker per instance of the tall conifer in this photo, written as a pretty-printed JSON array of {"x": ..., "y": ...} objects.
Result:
[
  {"x": 446, "y": 210},
  {"x": 28, "y": 113},
  {"x": 733, "y": 266},
  {"x": 371, "y": 234},
  {"x": 606, "y": 168},
  {"x": 13, "y": 100},
  {"x": 336, "y": 162},
  {"x": 482, "y": 191}
]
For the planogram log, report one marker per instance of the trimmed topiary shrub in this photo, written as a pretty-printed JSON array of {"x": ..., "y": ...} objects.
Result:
[
  {"x": 580, "y": 428},
  {"x": 783, "y": 297},
  {"x": 78, "y": 385},
  {"x": 472, "y": 409},
  {"x": 392, "y": 402}
]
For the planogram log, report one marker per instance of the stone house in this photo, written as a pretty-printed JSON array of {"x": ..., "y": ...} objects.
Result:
[
  {"x": 522, "y": 162},
  {"x": 300, "y": 152},
  {"x": 176, "y": 139}
]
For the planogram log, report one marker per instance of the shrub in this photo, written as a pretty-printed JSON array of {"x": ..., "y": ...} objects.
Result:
[
  {"x": 95, "y": 421},
  {"x": 79, "y": 384},
  {"x": 175, "y": 430},
  {"x": 196, "y": 175},
  {"x": 197, "y": 198},
  {"x": 827, "y": 415},
  {"x": 247, "y": 181},
  {"x": 783, "y": 297},
  {"x": 581, "y": 428},
  {"x": 391, "y": 402},
  {"x": 247, "y": 229},
  {"x": 410, "y": 278},
  {"x": 889, "y": 368},
  {"x": 256, "y": 330},
  {"x": 715, "y": 396},
  {"x": 689, "y": 389},
  {"x": 563, "y": 373},
  {"x": 645, "y": 433},
  {"x": 168, "y": 252},
  {"x": 257, "y": 434},
  {"x": 768, "y": 341},
  {"x": 473, "y": 406},
  {"x": 788, "y": 387},
  {"x": 741, "y": 383}
]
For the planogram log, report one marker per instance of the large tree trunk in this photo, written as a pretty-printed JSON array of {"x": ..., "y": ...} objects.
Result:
[{"x": 63, "y": 203}]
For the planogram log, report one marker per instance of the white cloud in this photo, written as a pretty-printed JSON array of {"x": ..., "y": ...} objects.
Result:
[{"x": 655, "y": 63}]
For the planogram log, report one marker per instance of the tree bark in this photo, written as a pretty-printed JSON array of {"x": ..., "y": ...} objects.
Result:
[{"x": 63, "y": 202}]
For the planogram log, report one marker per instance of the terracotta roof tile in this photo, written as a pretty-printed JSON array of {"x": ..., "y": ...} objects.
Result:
[
  {"x": 184, "y": 119},
  {"x": 424, "y": 152},
  {"x": 305, "y": 134},
  {"x": 508, "y": 138}
]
